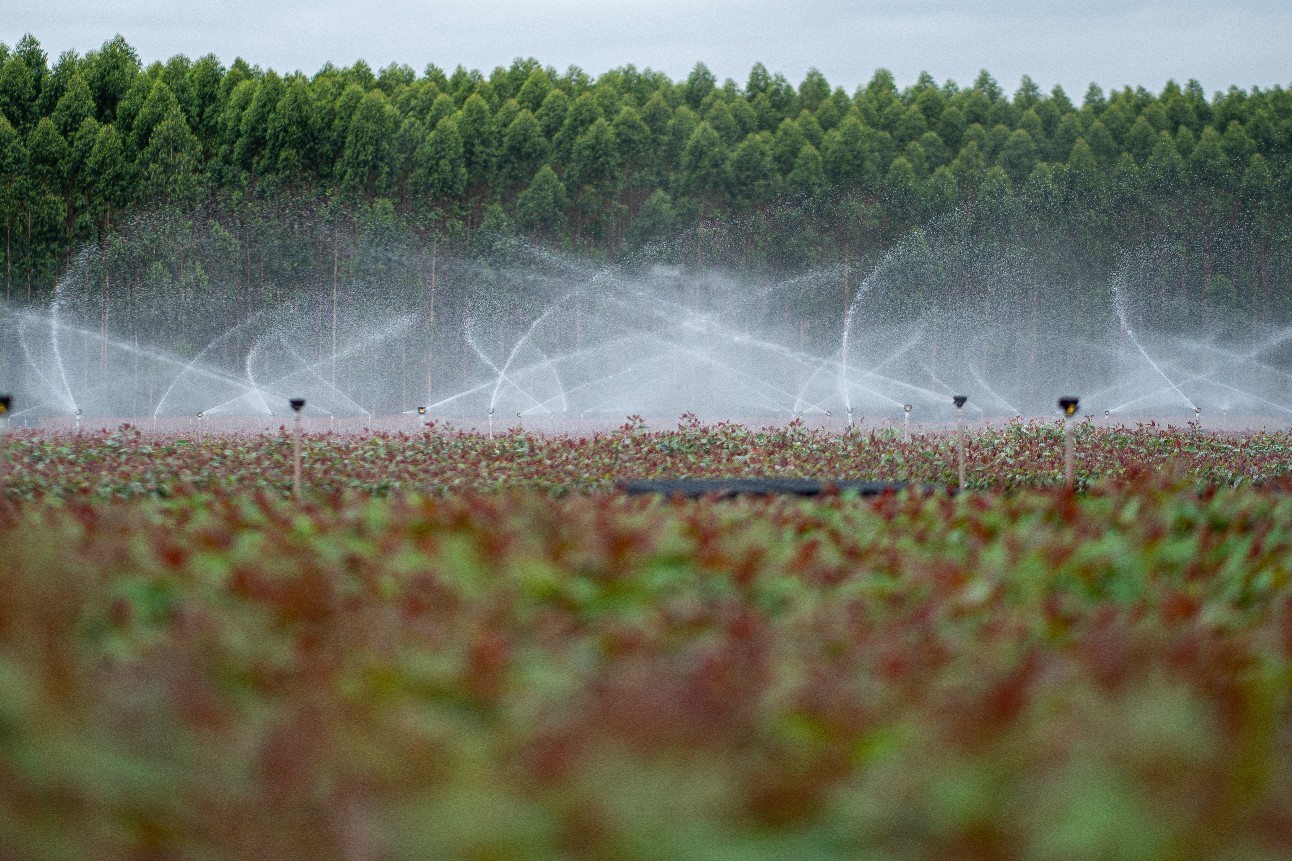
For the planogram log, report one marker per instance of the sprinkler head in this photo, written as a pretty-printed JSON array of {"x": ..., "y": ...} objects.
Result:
[
  {"x": 959, "y": 400},
  {"x": 1069, "y": 406},
  {"x": 491, "y": 411},
  {"x": 1197, "y": 411},
  {"x": 78, "y": 411},
  {"x": 297, "y": 404},
  {"x": 6, "y": 401},
  {"x": 421, "y": 411},
  {"x": 200, "y": 414},
  {"x": 1107, "y": 413},
  {"x": 906, "y": 408}
]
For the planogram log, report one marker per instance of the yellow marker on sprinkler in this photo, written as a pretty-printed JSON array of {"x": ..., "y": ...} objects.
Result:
[{"x": 6, "y": 401}]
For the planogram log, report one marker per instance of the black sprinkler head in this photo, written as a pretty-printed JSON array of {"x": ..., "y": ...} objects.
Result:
[
  {"x": 1069, "y": 406},
  {"x": 1107, "y": 413},
  {"x": 959, "y": 400},
  {"x": 906, "y": 408},
  {"x": 297, "y": 404},
  {"x": 6, "y": 402},
  {"x": 421, "y": 411},
  {"x": 199, "y": 415}
]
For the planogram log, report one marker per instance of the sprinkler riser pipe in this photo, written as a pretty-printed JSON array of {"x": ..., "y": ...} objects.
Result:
[
  {"x": 960, "y": 444},
  {"x": 6, "y": 404},
  {"x": 1069, "y": 455},
  {"x": 296, "y": 456},
  {"x": 4, "y": 439}
]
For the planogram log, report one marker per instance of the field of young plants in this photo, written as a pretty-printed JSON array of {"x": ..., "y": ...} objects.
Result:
[{"x": 457, "y": 647}]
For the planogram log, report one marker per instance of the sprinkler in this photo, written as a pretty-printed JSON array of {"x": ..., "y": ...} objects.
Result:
[
  {"x": 78, "y": 420},
  {"x": 199, "y": 427},
  {"x": 297, "y": 404},
  {"x": 491, "y": 423},
  {"x": 959, "y": 401},
  {"x": 849, "y": 416},
  {"x": 1068, "y": 406},
  {"x": 6, "y": 404},
  {"x": 906, "y": 422}
]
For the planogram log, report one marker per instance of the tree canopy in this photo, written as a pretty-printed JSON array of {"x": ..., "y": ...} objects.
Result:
[{"x": 606, "y": 164}]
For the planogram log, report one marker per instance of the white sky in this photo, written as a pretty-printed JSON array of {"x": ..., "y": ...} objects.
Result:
[{"x": 1113, "y": 43}]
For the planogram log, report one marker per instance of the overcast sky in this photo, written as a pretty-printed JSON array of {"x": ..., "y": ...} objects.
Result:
[{"x": 1220, "y": 43}]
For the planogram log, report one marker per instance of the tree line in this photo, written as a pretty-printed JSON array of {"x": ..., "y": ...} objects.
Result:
[{"x": 788, "y": 175}]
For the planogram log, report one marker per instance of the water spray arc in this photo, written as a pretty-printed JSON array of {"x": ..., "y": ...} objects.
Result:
[
  {"x": 1119, "y": 307},
  {"x": 577, "y": 345}
]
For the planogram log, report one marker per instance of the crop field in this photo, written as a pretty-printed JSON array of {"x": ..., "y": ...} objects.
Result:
[{"x": 458, "y": 647}]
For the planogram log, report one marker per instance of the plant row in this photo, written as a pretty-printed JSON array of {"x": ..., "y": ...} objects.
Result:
[
  {"x": 1035, "y": 675},
  {"x": 128, "y": 463}
]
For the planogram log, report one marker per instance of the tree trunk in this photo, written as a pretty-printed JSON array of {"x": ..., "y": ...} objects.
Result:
[
  {"x": 336, "y": 263},
  {"x": 847, "y": 283},
  {"x": 1035, "y": 327},
  {"x": 103, "y": 329},
  {"x": 29, "y": 255},
  {"x": 430, "y": 324}
]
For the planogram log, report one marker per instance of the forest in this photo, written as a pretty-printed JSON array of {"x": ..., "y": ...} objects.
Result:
[{"x": 767, "y": 176}]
